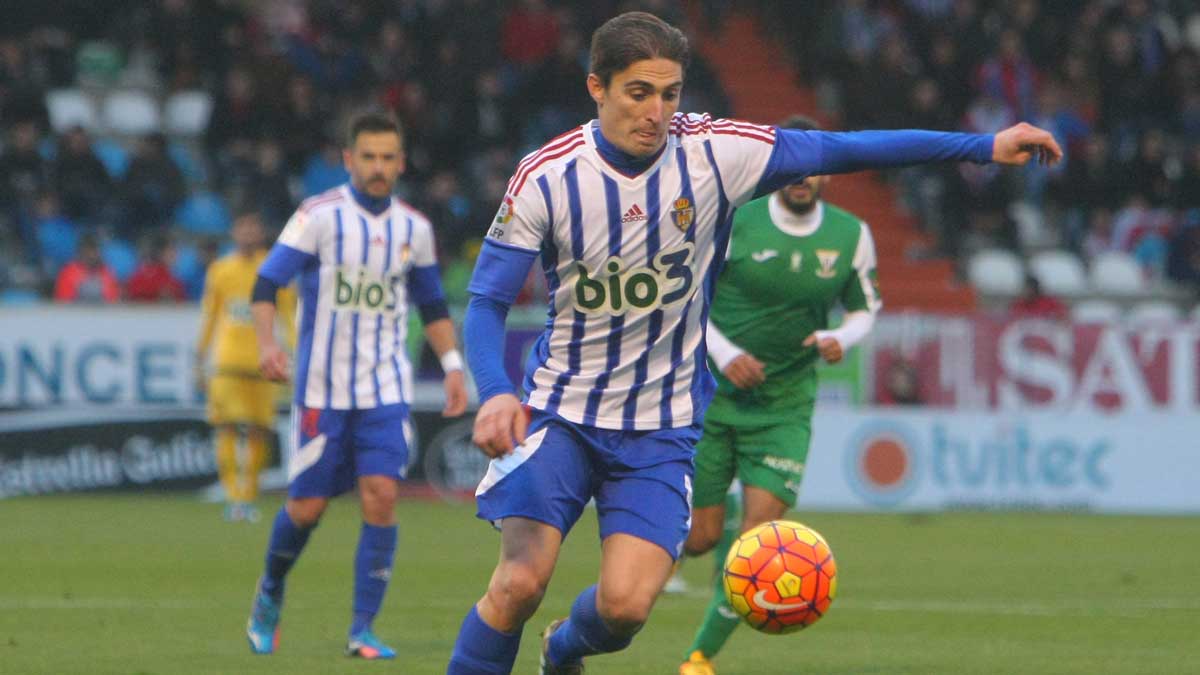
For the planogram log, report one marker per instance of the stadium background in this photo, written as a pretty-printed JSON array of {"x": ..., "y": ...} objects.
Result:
[{"x": 140, "y": 126}]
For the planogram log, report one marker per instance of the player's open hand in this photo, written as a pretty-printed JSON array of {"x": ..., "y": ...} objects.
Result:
[
  {"x": 273, "y": 363},
  {"x": 829, "y": 348},
  {"x": 1023, "y": 142},
  {"x": 500, "y": 425},
  {"x": 745, "y": 371},
  {"x": 456, "y": 394}
]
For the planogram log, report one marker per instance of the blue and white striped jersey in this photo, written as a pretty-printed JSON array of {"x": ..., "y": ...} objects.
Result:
[
  {"x": 358, "y": 272},
  {"x": 630, "y": 264}
]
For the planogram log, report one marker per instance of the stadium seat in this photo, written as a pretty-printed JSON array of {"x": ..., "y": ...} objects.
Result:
[
  {"x": 120, "y": 256},
  {"x": 58, "y": 241},
  {"x": 186, "y": 113},
  {"x": 1153, "y": 312},
  {"x": 204, "y": 213},
  {"x": 190, "y": 163},
  {"x": 112, "y": 155},
  {"x": 131, "y": 112},
  {"x": 70, "y": 108},
  {"x": 1095, "y": 311},
  {"x": 1116, "y": 273},
  {"x": 996, "y": 272},
  {"x": 1060, "y": 272},
  {"x": 13, "y": 297}
]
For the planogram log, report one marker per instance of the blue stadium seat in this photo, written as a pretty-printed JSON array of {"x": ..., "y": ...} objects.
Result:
[
  {"x": 18, "y": 296},
  {"x": 203, "y": 213},
  {"x": 190, "y": 165},
  {"x": 58, "y": 241},
  {"x": 189, "y": 269},
  {"x": 113, "y": 156},
  {"x": 120, "y": 256}
]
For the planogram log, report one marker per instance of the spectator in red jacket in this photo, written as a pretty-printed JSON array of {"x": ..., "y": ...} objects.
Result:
[
  {"x": 86, "y": 279},
  {"x": 153, "y": 281}
]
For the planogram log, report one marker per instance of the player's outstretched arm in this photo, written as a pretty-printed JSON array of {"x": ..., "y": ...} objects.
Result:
[{"x": 798, "y": 154}]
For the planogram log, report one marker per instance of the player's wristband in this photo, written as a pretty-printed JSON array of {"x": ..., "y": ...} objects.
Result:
[{"x": 452, "y": 360}]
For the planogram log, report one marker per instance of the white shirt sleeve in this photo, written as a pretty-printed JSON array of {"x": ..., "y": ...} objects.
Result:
[
  {"x": 720, "y": 348},
  {"x": 855, "y": 326}
]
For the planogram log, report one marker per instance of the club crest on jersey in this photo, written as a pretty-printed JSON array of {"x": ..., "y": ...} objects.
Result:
[
  {"x": 683, "y": 213},
  {"x": 405, "y": 254},
  {"x": 828, "y": 259}
]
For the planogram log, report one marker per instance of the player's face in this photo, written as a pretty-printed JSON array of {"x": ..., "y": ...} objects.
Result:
[
  {"x": 801, "y": 197},
  {"x": 374, "y": 163},
  {"x": 636, "y": 107},
  {"x": 247, "y": 232}
]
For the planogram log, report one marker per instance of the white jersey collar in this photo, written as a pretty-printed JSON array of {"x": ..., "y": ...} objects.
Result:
[{"x": 792, "y": 223}]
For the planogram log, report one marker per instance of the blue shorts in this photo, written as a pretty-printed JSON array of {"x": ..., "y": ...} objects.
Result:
[
  {"x": 332, "y": 448},
  {"x": 641, "y": 480}
]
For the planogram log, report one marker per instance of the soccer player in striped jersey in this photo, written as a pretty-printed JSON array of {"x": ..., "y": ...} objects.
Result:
[
  {"x": 791, "y": 258},
  {"x": 362, "y": 257},
  {"x": 630, "y": 217}
]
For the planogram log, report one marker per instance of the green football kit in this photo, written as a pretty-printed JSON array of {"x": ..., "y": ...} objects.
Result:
[{"x": 782, "y": 275}]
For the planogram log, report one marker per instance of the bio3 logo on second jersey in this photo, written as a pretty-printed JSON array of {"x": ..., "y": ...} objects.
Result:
[
  {"x": 617, "y": 288},
  {"x": 362, "y": 293}
]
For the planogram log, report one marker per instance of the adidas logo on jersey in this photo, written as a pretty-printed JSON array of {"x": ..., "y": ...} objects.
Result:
[{"x": 634, "y": 214}]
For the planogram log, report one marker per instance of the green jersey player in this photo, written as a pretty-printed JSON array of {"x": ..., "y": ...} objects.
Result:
[{"x": 792, "y": 257}]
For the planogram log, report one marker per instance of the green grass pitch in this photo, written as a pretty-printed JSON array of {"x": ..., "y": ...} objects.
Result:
[{"x": 159, "y": 584}]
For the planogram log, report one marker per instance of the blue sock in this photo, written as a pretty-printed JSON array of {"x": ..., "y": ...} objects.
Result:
[
  {"x": 584, "y": 633},
  {"x": 372, "y": 571},
  {"x": 284, "y": 547},
  {"x": 481, "y": 649}
]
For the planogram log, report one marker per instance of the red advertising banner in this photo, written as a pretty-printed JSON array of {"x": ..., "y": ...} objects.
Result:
[{"x": 1035, "y": 364}]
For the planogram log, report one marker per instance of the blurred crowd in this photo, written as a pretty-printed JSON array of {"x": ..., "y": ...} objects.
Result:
[
  {"x": 98, "y": 215},
  {"x": 1116, "y": 81}
]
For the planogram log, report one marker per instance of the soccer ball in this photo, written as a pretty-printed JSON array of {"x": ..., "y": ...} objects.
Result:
[{"x": 780, "y": 577}]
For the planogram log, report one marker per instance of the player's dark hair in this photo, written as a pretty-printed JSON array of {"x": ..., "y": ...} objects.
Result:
[
  {"x": 635, "y": 36},
  {"x": 373, "y": 122},
  {"x": 801, "y": 122}
]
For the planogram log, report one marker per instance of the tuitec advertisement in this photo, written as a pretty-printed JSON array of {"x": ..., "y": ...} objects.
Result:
[{"x": 918, "y": 460}]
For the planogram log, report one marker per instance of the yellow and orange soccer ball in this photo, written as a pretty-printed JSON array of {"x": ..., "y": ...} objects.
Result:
[{"x": 780, "y": 577}]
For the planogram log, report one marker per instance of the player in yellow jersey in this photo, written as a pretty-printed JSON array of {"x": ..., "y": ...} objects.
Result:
[{"x": 241, "y": 402}]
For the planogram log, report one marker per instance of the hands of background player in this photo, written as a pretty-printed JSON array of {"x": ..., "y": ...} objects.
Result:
[
  {"x": 500, "y": 420},
  {"x": 273, "y": 362},
  {"x": 830, "y": 348},
  {"x": 745, "y": 371},
  {"x": 1022, "y": 142},
  {"x": 456, "y": 394}
]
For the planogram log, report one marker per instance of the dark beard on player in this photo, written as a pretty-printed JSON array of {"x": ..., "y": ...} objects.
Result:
[{"x": 797, "y": 207}]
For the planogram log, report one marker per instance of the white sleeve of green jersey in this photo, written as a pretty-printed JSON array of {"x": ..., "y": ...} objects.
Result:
[
  {"x": 720, "y": 348},
  {"x": 864, "y": 290}
]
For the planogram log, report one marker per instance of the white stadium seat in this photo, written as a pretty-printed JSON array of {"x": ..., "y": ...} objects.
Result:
[
  {"x": 996, "y": 271},
  {"x": 186, "y": 113},
  {"x": 131, "y": 112},
  {"x": 1117, "y": 273},
  {"x": 1059, "y": 272},
  {"x": 1095, "y": 311},
  {"x": 1153, "y": 312},
  {"x": 69, "y": 108}
]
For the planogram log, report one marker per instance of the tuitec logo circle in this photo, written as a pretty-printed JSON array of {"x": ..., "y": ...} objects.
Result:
[{"x": 882, "y": 462}]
